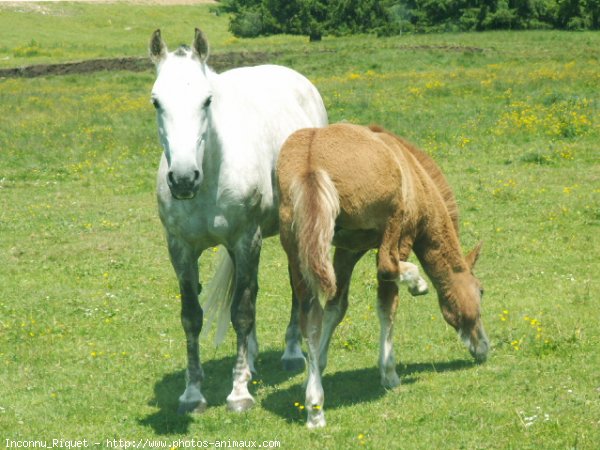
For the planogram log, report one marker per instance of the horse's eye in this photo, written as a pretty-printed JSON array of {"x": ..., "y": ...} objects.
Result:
[
  {"x": 156, "y": 103},
  {"x": 207, "y": 102}
]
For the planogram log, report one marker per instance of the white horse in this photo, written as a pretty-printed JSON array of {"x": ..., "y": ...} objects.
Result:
[{"x": 221, "y": 135}]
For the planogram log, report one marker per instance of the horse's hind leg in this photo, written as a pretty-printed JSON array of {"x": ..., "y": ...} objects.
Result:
[
  {"x": 293, "y": 358},
  {"x": 387, "y": 296},
  {"x": 185, "y": 263},
  {"x": 245, "y": 255},
  {"x": 335, "y": 309}
]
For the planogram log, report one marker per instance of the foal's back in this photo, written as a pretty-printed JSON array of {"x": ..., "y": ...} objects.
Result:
[
  {"x": 429, "y": 166},
  {"x": 367, "y": 173}
]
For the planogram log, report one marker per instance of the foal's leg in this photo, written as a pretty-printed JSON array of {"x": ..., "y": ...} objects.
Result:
[
  {"x": 311, "y": 317},
  {"x": 409, "y": 273},
  {"x": 293, "y": 358},
  {"x": 315, "y": 396},
  {"x": 387, "y": 296},
  {"x": 396, "y": 244},
  {"x": 388, "y": 255},
  {"x": 185, "y": 263},
  {"x": 335, "y": 309},
  {"x": 245, "y": 255}
]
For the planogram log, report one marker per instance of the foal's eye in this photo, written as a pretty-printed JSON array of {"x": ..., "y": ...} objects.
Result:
[{"x": 207, "y": 102}]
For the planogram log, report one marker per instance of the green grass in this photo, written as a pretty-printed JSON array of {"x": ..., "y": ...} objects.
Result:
[{"x": 90, "y": 341}]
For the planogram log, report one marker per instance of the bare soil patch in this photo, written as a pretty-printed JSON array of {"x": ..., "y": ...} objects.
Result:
[{"x": 219, "y": 62}]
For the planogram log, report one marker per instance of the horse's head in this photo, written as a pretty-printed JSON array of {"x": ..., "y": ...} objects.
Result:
[
  {"x": 460, "y": 301},
  {"x": 182, "y": 96}
]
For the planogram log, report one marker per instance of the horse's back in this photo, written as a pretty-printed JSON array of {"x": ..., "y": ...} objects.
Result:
[
  {"x": 275, "y": 90},
  {"x": 259, "y": 108}
]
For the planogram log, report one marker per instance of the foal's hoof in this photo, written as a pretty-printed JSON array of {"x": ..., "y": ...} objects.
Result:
[
  {"x": 293, "y": 364},
  {"x": 240, "y": 405},
  {"x": 197, "y": 407},
  {"x": 420, "y": 288},
  {"x": 415, "y": 292}
]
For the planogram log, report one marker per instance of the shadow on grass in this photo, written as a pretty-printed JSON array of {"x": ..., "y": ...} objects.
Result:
[
  {"x": 409, "y": 372},
  {"x": 343, "y": 389},
  {"x": 216, "y": 387}
]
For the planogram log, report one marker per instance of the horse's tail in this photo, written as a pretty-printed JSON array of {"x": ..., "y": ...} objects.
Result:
[
  {"x": 218, "y": 296},
  {"x": 316, "y": 206}
]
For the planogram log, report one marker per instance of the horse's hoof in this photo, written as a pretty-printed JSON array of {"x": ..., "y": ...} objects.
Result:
[
  {"x": 390, "y": 382},
  {"x": 316, "y": 420},
  {"x": 293, "y": 364},
  {"x": 197, "y": 407},
  {"x": 240, "y": 405}
]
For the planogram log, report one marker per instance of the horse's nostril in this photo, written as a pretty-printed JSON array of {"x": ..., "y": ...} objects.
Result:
[
  {"x": 196, "y": 175},
  {"x": 171, "y": 178}
]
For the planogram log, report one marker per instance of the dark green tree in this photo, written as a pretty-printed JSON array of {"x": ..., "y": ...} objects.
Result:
[{"x": 316, "y": 18}]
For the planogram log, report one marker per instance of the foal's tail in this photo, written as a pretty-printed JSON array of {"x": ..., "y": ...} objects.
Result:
[{"x": 316, "y": 205}]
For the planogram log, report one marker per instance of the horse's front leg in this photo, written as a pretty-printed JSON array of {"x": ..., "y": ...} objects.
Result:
[
  {"x": 245, "y": 254},
  {"x": 185, "y": 263}
]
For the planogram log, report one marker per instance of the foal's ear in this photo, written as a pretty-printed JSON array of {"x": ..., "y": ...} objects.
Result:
[
  {"x": 200, "y": 45},
  {"x": 158, "y": 48},
  {"x": 473, "y": 255}
]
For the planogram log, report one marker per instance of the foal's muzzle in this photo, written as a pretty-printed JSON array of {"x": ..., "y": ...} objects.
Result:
[{"x": 184, "y": 186}]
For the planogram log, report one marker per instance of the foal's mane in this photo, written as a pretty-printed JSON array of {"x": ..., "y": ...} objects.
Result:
[{"x": 432, "y": 169}]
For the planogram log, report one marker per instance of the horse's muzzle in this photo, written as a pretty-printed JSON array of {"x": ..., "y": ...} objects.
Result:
[{"x": 184, "y": 186}]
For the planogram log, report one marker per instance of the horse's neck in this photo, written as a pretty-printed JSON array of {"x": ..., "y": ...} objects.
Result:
[
  {"x": 238, "y": 138},
  {"x": 438, "y": 247}
]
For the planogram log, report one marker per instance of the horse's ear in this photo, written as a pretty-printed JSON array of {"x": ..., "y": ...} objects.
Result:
[
  {"x": 158, "y": 48},
  {"x": 473, "y": 255},
  {"x": 200, "y": 45}
]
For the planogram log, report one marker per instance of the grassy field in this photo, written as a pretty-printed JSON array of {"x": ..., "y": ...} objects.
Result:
[{"x": 90, "y": 341}]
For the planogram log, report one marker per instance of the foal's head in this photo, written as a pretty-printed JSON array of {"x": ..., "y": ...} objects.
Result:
[
  {"x": 182, "y": 96},
  {"x": 460, "y": 301}
]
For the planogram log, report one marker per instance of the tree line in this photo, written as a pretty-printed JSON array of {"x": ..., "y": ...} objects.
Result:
[{"x": 316, "y": 18}]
